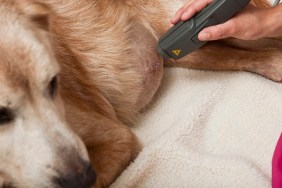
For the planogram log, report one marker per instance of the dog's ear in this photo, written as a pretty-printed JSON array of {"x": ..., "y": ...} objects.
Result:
[{"x": 37, "y": 12}]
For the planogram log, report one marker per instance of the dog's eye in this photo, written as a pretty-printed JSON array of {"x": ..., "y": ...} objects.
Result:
[
  {"x": 53, "y": 86},
  {"x": 6, "y": 116}
]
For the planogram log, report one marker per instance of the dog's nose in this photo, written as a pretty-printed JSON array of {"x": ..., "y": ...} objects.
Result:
[{"x": 84, "y": 179}]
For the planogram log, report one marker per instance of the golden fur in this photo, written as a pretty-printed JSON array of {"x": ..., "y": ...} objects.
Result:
[{"x": 110, "y": 70}]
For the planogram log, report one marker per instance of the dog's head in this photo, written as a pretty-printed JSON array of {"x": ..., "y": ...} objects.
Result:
[{"x": 37, "y": 149}]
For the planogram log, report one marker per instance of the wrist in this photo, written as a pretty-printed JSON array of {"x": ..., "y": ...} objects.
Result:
[{"x": 273, "y": 22}]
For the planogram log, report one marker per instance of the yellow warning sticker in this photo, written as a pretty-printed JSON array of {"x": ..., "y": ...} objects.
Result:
[{"x": 176, "y": 52}]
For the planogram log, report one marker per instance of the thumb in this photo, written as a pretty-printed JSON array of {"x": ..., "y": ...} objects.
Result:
[{"x": 215, "y": 32}]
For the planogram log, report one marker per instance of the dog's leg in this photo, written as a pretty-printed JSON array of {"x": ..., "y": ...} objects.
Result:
[
  {"x": 111, "y": 148},
  {"x": 262, "y": 57}
]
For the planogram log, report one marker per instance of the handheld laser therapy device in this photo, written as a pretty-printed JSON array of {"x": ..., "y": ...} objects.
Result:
[{"x": 182, "y": 38}]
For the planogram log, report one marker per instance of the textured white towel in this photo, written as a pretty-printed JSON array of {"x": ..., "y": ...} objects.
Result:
[{"x": 207, "y": 129}]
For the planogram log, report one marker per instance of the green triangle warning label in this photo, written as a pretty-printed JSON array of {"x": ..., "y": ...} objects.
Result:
[{"x": 176, "y": 52}]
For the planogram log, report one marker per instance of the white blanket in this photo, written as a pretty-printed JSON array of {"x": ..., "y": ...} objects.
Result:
[{"x": 207, "y": 129}]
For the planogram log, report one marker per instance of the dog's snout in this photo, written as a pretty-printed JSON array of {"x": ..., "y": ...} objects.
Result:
[{"x": 79, "y": 179}]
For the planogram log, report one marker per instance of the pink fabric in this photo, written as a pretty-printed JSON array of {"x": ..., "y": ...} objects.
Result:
[{"x": 277, "y": 165}]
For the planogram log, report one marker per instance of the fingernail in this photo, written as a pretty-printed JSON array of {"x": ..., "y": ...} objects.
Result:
[{"x": 204, "y": 36}]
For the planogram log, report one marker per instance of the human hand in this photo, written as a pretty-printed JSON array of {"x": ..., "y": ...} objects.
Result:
[{"x": 249, "y": 24}]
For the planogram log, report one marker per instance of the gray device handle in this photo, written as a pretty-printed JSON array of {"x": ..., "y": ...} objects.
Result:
[{"x": 182, "y": 38}]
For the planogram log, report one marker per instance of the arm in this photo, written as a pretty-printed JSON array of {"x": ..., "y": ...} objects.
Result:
[{"x": 250, "y": 24}]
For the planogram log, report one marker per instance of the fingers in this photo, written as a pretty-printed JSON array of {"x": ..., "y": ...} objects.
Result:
[
  {"x": 179, "y": 13},
  {"x": 190, "y": 9},
  {"x": 195, "y": 7},
  {"x": 177, "y": 16}
]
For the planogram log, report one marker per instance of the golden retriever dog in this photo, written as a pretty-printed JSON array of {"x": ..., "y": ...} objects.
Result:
[{"x": 74, "y": 74}]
